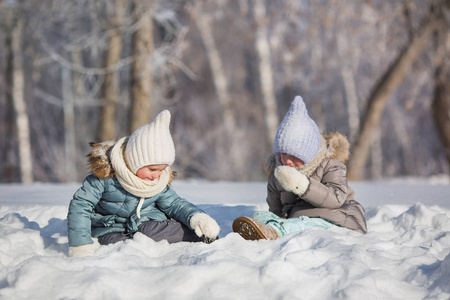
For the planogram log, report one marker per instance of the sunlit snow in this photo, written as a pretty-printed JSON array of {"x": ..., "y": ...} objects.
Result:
[{"x": 405, "y": 254}]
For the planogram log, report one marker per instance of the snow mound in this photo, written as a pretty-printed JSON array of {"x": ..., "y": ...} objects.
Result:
[{"x": 405, "y": 254}]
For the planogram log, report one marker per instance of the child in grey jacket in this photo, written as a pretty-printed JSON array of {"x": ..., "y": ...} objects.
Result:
[
  {"x": 307, "y": 185},
  {"x": 129, "y": 191}
]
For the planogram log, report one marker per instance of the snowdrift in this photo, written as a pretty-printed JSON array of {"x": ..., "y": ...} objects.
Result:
[{"x": 405, "y": 254}]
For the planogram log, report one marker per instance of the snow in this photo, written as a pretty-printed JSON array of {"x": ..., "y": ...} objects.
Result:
[{"x": 405, "y": 254}]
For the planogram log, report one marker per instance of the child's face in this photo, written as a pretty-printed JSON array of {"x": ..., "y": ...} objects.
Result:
[
  {"x": 150, "y": 172},
  {"x": 291, "y": 161}
]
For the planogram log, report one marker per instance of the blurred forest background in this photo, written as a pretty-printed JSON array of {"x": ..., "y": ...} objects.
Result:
[{"x": 74, "y": 72}]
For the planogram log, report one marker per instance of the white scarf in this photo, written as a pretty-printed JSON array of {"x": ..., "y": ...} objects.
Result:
[{"x": 132, "y": 183}]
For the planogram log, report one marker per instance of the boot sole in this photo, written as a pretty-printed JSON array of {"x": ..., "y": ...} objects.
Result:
[{"x": 248, "y": 229}]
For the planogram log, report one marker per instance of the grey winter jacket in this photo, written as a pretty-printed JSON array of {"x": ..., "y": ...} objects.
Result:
[
  {"x": 328, "y": 196},
  {"x": 101, "y": 205}
]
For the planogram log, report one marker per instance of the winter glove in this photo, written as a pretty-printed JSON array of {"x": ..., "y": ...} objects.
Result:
[
  {"x": 292, "y": 180},
  {"x": 82, "y": 251},
  {"x": 205, "y": 225}
]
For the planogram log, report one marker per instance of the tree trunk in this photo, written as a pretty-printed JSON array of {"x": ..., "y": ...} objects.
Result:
[
  {"x": 265, "y": 70},
  {"x": 441, "y": 97},
  {"x": 348, "y": 79},
  {"x": 215, "y": 62},
  {"x": 20, "y": 105},
  {"x": 110, "y": 89},
  {"x": 441, "y": 106},
  {"x": 381, "y": 94},
  {"x": 69, "y": 125},
  {"x": 352, "y": 101},
  {"x": 7, "y": 114},
  {"x": 141, "y": 72},
  {"x": 228, "y": 150},
  {"x": 405, "y": 141}
]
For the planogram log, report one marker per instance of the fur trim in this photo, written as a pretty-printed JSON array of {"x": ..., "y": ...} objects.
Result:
[
  {"x": 100, "y": 162},
  {"x": 337, "y": 146}
]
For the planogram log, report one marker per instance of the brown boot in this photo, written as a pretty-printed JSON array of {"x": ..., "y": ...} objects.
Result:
[{"x": 251, "y": 229}]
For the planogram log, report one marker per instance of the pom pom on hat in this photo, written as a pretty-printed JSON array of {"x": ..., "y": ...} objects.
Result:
[
  {"x": 151, "y": 144},
  {"x": 298, "y": 134}
]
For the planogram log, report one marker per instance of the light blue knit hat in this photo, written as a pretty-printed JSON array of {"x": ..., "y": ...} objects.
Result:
[{"x": 298, "y": 134}]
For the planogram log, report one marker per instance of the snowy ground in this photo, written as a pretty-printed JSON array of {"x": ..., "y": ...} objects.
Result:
[{"x": 405, "y": 255}]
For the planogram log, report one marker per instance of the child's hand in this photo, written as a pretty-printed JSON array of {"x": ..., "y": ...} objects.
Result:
[
  {"x": 82, "y": 251},
  {"x": 292, "y": 180},
  {"x": 204, "y": 225}
]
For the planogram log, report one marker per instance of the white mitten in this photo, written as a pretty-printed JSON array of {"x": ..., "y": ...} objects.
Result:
[
  {"x": 204, "y": 225},
  {"x": 82, "y": 251},
  {"x": 292, "y": 180}
]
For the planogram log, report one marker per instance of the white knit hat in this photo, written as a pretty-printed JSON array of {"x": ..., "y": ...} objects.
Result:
[
  {"x": 151, "y": 144},
  {"x": 298, "y": 134}
]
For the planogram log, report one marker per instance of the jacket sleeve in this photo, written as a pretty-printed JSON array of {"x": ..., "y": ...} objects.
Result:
[
  {"x": 81, "y": 208},
  {"x": 331, "y": 191},
  {"x": 176, "y": 207},
  {"x": 273, "y": 196}
]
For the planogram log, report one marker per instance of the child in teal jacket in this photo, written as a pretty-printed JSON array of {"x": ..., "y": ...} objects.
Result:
[{"x": 129, "y": 191}]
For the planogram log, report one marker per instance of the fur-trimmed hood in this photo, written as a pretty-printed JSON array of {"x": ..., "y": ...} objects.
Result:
[
  {"x": 334, "y": 145},
  {"x": 99, "y": 160}
]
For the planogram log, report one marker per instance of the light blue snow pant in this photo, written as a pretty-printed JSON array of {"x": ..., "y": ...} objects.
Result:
[{"x": 285, "y": 226}]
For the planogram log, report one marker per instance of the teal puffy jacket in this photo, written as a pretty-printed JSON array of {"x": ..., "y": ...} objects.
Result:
[{"x": 102, "y": 206}]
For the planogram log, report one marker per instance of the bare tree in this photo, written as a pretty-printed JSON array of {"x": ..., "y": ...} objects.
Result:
[
  {"x": 202, "y": 19},
  {"x": 69, "y": 124},
  {"x": 348, "y": 79},
  {"x": 19, "y": 103},
  {"x": 222, "y": 98},
  {"x": 7, "y": 124},
  {"x": 441, "y": 109},
  {"x": 110, "y": 88},
  {"x": 262, "y": 47},
  {"x": 228, "y": 148},
  {"x": 441, "y": 97},
  {"x": 383, "y": 91},
  {"x": 141, "y": 71}
]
